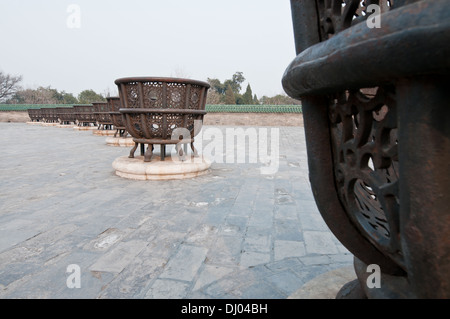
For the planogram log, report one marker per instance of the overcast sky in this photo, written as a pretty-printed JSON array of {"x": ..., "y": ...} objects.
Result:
[{"x": 50, "y": 45}]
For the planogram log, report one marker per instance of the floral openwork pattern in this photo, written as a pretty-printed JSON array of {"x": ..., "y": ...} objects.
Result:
[
  {"x": 116, "y": 116},
  {"x": 195, "y": 98},
  {"x": 163, "y": 95},
  {"x": 153, "y": 94},
  {"x": 84, "y": 114},
  {"x": 337, "y": 15},
  {"x": 101, "y": 112},
  {"x": 154, "y": 109},
  {"x": 364, "y": 141},
  {"x": 132, "y": 95}
]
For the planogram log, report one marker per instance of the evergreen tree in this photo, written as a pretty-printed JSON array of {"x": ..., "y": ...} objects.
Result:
[
  {"x": 255, "y": 100},
  {"x": 239, "y": 99},
  {"x": 247, "y": 98},
  {"x": 229, "y": 96}
]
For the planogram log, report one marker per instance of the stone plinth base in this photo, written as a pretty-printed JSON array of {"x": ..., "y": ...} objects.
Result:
[
  {"x": 66, "y": 125},
  {"x": 120, "y": 141},
  {"x": 137, "y": 169},
  {"x": 35, "y": 123},
  {"x": 325, "y": 286},
  {"x": 85, "y": 128},
  {"x": 50, "y": 124},
  {"x": 104, "y": 132}
]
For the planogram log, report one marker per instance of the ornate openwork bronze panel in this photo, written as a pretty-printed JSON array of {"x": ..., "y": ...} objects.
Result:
[
  {"x": 101, "y": 113},
  {"x": 65, "y": 115},
  {"x": 35, "y": 115},
  {"x": 365, "y": 159},
  {"x": 116, "y": 117},
  {"x": 84, "y": 114},
  {"x": 49, "y": 114},
  {"x": 377, "y": 126},
  {"x": 155, "y": 109}
]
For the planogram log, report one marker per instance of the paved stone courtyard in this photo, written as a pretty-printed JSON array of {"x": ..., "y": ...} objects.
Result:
[{"x": 233, "y": 233}]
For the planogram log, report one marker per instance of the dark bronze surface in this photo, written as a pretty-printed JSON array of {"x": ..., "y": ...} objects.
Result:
[
  {"x": 66, "y": 115},
  {"x": 377, "y": 126},
  {"x": 102, "y": 115},
  {"x": 49, "y": 114},
  {"x": 84, "y": 114},
  {"x": 35, "y": 115},
  {"x": 116, "y": 117},
  {"x": 156, "y": 108}
]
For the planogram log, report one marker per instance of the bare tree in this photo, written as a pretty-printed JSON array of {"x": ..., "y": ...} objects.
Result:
[
  {"x": 41, "y": 95},
  {"x": 9, "y": 85},
  {"x": 213, "y": 97},
  {"x": 181, "y": 73},
  {"x": 108, "y": 92}
]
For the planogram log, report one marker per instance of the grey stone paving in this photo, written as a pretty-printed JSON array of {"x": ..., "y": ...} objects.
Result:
[{"x": 234, "y": 233}]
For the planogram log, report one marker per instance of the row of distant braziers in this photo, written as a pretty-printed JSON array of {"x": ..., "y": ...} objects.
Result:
[
  {"x": 152, "y": 110},
  {"x": 105, "y": 115}
]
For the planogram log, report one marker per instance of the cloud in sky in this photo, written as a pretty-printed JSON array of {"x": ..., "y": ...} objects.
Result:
[{"x": 182, "y": 38}]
